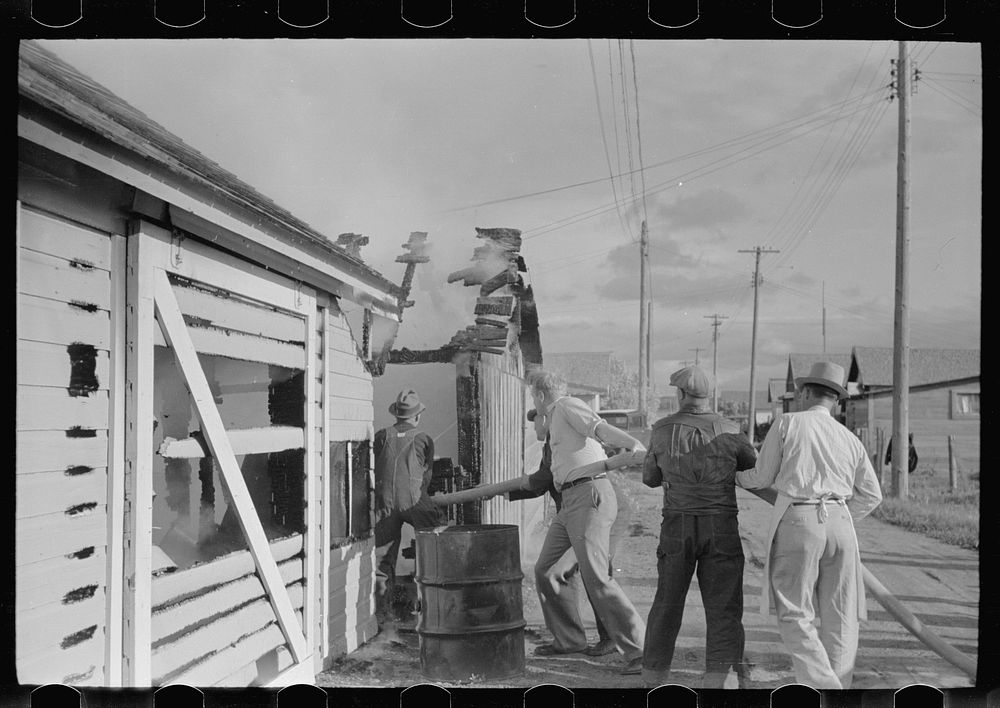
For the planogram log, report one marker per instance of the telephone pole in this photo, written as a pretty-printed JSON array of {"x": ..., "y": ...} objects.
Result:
[
  {"x": 752, "y": 414},
  {"x": 824, "y": 317},
  {"x": 715, "y": 358},
  {"x": 695, "y": 350},
  {"x": 901, "y": 318},
  {"x": 644, "y": 312}
]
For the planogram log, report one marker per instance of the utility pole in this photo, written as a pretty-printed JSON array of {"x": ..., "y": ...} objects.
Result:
[
  {"x": 752, "y": 414},
  {"x": 824, "y": 317},
  {"x": 695, "y": 350},
  {"x": 643, "y": 319},
  {"x": 901, "y": 319},
  {"x": 715, "y": 358}
]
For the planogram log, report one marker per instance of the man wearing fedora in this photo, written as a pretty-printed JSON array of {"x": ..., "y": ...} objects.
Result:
[
  {"x": 404, "y": 462},
  {"x": 694, "y": 455},
  {"x": 824, "y": 483}
]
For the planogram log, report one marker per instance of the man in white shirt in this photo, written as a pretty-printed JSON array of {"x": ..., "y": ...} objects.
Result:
[
  {"x": 583, "y": 523},
  {"x": 824, "y": 482}
]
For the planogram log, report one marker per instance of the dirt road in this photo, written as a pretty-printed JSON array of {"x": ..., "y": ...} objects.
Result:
[{"x": 937, "y": 582}]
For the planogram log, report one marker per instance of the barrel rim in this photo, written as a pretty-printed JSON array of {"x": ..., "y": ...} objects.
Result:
[
  {"x": 498, "y": 628},
  {"x": 439, "y": 581}
]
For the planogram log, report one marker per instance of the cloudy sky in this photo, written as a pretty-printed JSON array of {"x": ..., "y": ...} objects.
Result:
[{"x": 719, "y": 145}]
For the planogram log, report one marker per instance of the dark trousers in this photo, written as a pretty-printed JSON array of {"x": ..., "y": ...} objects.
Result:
[
  {"x": 709, "y": 545},
  {"x": 388, "y": 535}
]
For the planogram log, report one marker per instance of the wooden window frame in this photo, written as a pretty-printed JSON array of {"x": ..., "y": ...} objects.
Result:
[
  {"x": 957, "y": 414},
  {"x": 152, "y": 254}
]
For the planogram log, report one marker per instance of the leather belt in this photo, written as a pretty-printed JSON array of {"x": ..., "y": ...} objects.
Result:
[
  {"x": 813, "y": 502},
  {"x": 581, "y": 480}
]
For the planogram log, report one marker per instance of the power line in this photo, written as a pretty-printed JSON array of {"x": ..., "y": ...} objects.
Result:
[
  {"x": 604, "y": 140},
  {"x": 778, "y": 128},
  {"x": 671, "y": 183}
]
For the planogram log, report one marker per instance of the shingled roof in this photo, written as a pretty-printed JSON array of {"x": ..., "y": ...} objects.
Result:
[
  {"x": 582, "y": 368},
  {"x": 49, "y": 82},
  {"x": 871, "y": 367}
]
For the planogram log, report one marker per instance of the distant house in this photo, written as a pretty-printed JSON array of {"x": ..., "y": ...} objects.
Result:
[
  {"x": 585, "y": 372},
  {"x": 733, "y": 403},
  {"x": 943, "y": 403},
  {"x": 778, "y": 397}
]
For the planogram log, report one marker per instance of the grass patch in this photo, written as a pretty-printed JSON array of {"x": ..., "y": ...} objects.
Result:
[{"x": 934, "y": 510}]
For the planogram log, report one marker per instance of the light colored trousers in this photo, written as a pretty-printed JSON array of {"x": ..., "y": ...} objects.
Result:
[
  {"x": 584, "y": 524},
  {"x": 814, "y": 573}
]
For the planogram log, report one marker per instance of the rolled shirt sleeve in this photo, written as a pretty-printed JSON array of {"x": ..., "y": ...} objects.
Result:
[
  {"x": 867, "y": 491},
  {"x": 764, "y": 472}
]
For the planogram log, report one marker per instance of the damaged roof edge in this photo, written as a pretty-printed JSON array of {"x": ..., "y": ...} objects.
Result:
[{"x": 47, "y": 81}]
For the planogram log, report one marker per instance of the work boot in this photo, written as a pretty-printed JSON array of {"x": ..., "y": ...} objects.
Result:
[{"x": 602, "y": 648}]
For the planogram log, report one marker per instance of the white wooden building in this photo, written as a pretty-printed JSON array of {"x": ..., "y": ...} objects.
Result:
[{"x": 194, "y": 410}]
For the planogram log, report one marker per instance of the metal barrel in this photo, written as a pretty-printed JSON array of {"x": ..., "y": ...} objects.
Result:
[{"x": 471, "y": 622}]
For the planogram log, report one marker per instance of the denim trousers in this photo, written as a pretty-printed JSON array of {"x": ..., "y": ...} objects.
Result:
[{"x": 710, "y": 546}]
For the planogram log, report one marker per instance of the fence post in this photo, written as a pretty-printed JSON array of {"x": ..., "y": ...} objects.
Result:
[{"x": 952, "y": 465}]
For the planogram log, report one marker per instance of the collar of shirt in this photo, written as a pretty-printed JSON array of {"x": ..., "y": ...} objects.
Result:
[
  {"x": 820, "y": 408},
  {"x": 694, "y": 408}
]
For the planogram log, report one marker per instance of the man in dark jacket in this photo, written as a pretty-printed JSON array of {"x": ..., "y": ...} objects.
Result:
[
  {"x": 404, "y": 462},
  {"x": 694, "y": 455},
  {"x": 567, "y": 570}
]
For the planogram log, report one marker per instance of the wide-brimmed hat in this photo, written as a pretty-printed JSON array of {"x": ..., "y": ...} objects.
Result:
[
  {"x": 407, "y": 404},
  {"x": 825, "y": 373},
  {"x": 693, "y": 381}
]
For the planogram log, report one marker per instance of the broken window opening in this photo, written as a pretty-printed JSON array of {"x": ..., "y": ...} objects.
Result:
[{"x": 194, "y": 520}]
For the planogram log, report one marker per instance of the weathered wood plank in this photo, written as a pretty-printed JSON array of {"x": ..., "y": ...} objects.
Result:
[
  {"x": 172, "y": 587},
  {"x": 224, "y": 631},
  {"x": 57, "y": 279},
  {"x": 345, "y": 363},
  {"x": 42, "y": 364},
  {"x": 55, "y": 322},
  {"x": 278, "y": 659},
  {"x": 51, "y": 535},
  {"x": 44, "y": 408},
  {"x": 54, "y": 577},
  {"x": 230, "y": 659},
  {"x": 51, "y": 235},
  {"x": 239, "y": 315},
  {"x": 235, "y": 345},
  {"x": 364, "y": 631},
  {"x": 340, "y": 409},
  {"x": 176, "y": 617},
  {"x": 49, "y": 451},
  {"x": 51, "y": 492},
  {"x": 56, "y": 624},
  {"x": 346, "y": 387},
  {"x": 79, "y": 664},
  {"x": 247, "y": 441},
  {"x": 340, "y": 339}
]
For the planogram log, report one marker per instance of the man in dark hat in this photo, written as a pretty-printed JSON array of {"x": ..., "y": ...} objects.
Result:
[
  {"x": 694, "y": 455},
  {"x": 404, "y": 462},
  {"x": 824, "y": 483}
]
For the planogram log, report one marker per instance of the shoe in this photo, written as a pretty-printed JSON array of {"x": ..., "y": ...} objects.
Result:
[
  {"x": 602, "y": 648},
  {"x": 551, "y": 650},
  {"x": 633, "y": 667}
]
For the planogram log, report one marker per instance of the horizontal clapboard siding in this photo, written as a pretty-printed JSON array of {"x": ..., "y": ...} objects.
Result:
[
  {"x": 64, "y": 297},
  {"x": 245, "y": 347},
  {"x": 233, "y": 658},
  {"x": 36, "y": 493},
  {"x": 45, "y": 408},
  {"x": 43, "y": 364},
  {"x": 229, "y": 312},
  {"x": 201, "y": 645},
  {"x": 172, "y": 587},
  {"x": 178, "y": 617},
  {"x": 351, "y": 599}
]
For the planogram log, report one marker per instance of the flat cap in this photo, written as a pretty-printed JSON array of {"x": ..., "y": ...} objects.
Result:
[{"x": 693, "y": 381}]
